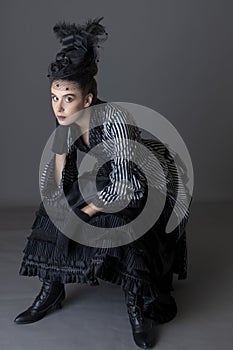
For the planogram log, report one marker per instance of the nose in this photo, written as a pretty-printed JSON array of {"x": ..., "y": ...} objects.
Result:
[{"x": 60, "y": 107}]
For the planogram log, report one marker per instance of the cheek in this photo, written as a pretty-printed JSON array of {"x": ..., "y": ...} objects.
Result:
[{"x": 75, "y": 107}]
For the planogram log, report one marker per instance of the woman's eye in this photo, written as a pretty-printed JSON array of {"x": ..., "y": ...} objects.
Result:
[{"x": 69, "y": 99}]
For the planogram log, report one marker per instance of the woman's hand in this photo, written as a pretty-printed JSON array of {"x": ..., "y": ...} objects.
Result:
[
  {"x": 91, "y": 209},
  {"x": 83, "y": 215}
]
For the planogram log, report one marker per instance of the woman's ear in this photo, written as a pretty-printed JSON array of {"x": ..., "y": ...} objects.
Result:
[{"x": 88, "y": 100}]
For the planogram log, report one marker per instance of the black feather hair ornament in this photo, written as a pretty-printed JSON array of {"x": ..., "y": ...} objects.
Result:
[{"x": 79, "y": 46}]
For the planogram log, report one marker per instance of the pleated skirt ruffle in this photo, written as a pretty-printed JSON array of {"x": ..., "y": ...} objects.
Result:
[{"x": 134, "y": 266}]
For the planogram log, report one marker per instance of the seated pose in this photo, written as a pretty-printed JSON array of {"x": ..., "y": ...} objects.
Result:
[{"x": 102, "y": 243}]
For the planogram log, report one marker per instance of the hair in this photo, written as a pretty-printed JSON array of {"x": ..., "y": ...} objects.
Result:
[{"x": 77, "y": 61}]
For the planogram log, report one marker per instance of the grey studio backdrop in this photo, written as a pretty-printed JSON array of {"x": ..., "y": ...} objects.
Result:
[{"x": 172, "y": 56}]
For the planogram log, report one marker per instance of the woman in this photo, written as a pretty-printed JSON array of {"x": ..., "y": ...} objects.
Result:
[{"x": 144, "y": 267}]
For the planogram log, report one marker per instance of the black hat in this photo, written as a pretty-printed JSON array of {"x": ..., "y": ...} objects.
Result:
[{"x": 79, "y": 49}]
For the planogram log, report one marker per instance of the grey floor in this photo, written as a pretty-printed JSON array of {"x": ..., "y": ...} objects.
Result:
[{"x": 96, "y": 317}]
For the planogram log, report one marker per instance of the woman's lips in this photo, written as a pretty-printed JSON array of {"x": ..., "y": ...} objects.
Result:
[{"x": 60, "y": 117}]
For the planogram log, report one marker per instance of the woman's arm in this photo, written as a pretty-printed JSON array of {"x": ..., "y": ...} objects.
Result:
[
  {"x": 60, "y": 161},
  {"x": 60, "y": 171},
  {"x": 125, "y": 180}
]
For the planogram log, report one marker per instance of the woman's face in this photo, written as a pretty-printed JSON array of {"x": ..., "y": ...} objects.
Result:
[{"x": 67, "y": 100}]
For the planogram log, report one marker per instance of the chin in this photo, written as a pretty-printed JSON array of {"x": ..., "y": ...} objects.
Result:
[{"x": 64, "y": 122}]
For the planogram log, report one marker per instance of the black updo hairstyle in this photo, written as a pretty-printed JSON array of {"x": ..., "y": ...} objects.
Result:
[{"x": 77, "y": 60}]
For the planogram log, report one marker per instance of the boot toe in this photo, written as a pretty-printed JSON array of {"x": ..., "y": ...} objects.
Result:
[
  {"x": 24, "y": 317},
  {"x": 144, "y": 341},
  {"x": 146, "y": 338},
  {"x": 28, "y": 316}
]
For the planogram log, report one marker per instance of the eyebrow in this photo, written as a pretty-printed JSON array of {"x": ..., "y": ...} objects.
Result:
[{"x": 65, "y": 94}]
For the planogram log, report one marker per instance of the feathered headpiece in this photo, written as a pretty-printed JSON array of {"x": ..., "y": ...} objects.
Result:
[{"x": 79, "y": 47}]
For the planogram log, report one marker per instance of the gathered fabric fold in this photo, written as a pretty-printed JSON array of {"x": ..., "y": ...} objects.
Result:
[{"x": 145, "y": 266}]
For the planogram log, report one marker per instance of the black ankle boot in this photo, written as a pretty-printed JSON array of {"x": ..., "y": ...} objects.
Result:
[
  {"x": 50, "y": 297},
  {"x": 143, "y": 328}
]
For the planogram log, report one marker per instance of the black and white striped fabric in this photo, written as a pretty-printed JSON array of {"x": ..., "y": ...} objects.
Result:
[{"x": 112, "y": 129}]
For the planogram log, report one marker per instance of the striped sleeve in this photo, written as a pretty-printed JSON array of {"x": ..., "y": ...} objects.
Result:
[{"x": 124, "y": 184}]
